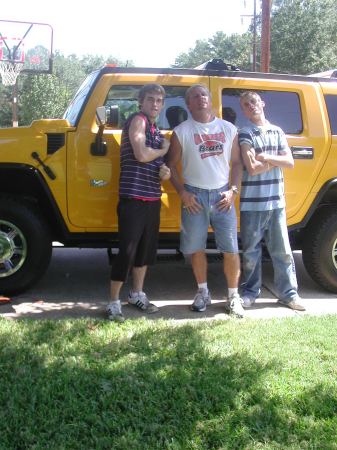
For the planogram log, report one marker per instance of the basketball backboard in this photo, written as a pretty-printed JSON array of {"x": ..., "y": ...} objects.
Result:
[{"x": 29, "y": 43}]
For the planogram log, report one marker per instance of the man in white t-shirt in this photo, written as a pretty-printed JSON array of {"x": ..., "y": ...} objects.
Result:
[{"x": 206, "y": 146}]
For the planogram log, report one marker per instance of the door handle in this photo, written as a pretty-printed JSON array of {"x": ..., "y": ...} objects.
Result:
[{"x": 302, "y": 152}]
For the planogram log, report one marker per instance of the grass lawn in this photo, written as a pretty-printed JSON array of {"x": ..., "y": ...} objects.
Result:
[{"x": 231, "y": 384}]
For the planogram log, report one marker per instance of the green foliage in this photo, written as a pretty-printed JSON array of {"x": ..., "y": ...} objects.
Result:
[
  {"x": 42, "y": 97},
  {"x": 202, "y": 52},
  {"x": 303, "y": 40},
  {"x": 219, "y": 385},
  {"x": 303, "y": 36},
  {"x": 47, "y": 96},
  {"x": 6, "y": 106},
  {"x": 235, "y": 49}
]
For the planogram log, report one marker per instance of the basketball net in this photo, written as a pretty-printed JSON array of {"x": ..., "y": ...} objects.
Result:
[{"x": 9, "y": 71}]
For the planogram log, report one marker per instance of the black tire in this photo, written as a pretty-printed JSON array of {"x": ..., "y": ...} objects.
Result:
[
  {"x": 319, "y": 250},
  {"x": 25, "y": 245}
]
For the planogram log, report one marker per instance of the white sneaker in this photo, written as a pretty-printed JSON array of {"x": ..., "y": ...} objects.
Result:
[
  {"x": 234, "y": 306},
  {"x": 141, "y": 302},
  {"x": 114, "y": 311},
  {"x": 201, "y": 300}
]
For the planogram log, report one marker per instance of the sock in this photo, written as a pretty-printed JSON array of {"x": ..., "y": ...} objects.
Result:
[
  {"x": 133, "y": 295},
  {"x": 232, "y": 291},
  {"x": 203, "y": 286}
]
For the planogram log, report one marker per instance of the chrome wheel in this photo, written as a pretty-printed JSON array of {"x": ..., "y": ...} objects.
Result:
[
  {"x": 13, "y": 249},
  {"x": 334, "y": 253}
]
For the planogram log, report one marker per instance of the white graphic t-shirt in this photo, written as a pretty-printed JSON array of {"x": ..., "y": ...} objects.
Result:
[{"x": 206, "y": 152}]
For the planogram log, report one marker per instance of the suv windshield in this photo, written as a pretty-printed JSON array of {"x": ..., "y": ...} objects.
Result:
[{"x": 77, "y": 101}]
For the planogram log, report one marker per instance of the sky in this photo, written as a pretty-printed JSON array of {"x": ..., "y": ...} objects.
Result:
[{"x": 149, "y": 34}]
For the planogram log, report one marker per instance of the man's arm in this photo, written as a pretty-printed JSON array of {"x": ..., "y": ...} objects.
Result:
[
  {"x": 228, "y": 197},
  {"x": 138, "y": 141},
  {"x": 252, "y": 164},
  {"x": 237, "y": 166},
  {"x": 173, "y": 157},
  {"x": 285, "y": 161}
]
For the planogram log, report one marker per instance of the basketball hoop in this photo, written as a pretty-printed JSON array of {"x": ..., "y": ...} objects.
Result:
[{"x": 9, "y": 71}]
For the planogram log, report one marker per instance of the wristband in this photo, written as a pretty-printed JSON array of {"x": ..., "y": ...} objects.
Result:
[{"x": 268, "y": 165}]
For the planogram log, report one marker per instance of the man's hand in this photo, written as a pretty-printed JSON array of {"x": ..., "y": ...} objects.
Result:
[
  {"x": 188, "y": 199},
  {"x": 227, "y": 201},
  {"x": 264, "y": 157},
  {"x": 165, "y": 145},
  {"x": 164, "y": 172}
]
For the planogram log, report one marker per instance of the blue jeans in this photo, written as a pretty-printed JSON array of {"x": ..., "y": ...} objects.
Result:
[
  {"x": 271, "y": 225},
  {"x": 194, "y": 227}
]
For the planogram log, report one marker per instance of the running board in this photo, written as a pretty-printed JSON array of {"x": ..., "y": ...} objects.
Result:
[
  {"x": 218, "y": 257},
  {"x": 169, "y": 258},
  {"x": 214, "y": 258}
]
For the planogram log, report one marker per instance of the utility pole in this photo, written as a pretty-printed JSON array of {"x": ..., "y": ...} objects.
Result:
[{"x": 265, "y": 36}]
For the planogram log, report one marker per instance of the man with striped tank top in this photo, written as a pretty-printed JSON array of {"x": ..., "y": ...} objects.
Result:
[
  {"x": 142, "y": 170},
  {"x": 265, "y": 153}
]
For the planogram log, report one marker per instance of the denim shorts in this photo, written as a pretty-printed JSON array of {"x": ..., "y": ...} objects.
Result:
[{"x": 194, "y": 227}]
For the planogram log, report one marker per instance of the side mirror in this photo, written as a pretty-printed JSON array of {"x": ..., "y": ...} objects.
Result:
[
  {"x": 101, "y": 116},
  {"x": 113, "y": 116},
  {"x": 107, "y": 116}
]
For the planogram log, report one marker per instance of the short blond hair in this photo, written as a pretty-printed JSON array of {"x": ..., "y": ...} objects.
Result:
[{"x": 242, "y": 96}]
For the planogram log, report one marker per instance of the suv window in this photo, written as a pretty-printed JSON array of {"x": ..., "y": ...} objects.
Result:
[
  {"x": 78, "y": 100},
  {"x": 331, "y": 104},
  {"x": 282, "y": 109},
  {"x": 173, "y": 113}
]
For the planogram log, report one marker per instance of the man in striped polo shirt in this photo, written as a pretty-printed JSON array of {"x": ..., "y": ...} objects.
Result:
[
  {"x": 142, "y": 169},
  {"x": 265, "y": 154}
]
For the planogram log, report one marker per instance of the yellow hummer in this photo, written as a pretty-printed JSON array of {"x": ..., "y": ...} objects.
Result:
[{"x": 59, "y": 177}]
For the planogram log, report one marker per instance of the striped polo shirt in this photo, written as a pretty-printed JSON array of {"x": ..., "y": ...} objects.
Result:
[
  {"x": 265, "y": 191},
  {"x": 140, "y": 179}
]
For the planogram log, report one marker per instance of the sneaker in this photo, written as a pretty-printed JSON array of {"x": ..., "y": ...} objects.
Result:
[
  {"x": 114, "y": 311},
  {"x": 141, "y": 302},
  {"x": 201, "y": 300},
  {"x": 234, "y": 306},
  {"x": 247, "y": 302},
  {"x": 293, "y": 305}
]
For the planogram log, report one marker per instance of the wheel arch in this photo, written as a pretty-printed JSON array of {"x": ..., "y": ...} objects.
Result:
[
  {"x": 326, "y": 195},
  {"x": 26, "y": 182}
]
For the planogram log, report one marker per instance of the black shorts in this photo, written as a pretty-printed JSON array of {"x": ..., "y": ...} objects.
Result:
[{"x": 138, "y": 233}]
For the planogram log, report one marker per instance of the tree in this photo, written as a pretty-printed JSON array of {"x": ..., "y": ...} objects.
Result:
[
  {"x": 235, "y": 49},
  {"x": 202, "y": 52},
  {"x": 6, "y": 111},
  {"x": 303, "y": 40},
  {"x": 42, "y": 97},
  {"x": 47, "y": 96},
  {"x": 303, "y": 36}
]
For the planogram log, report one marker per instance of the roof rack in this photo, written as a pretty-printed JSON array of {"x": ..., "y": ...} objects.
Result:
[{"x": 218, "y": 64}]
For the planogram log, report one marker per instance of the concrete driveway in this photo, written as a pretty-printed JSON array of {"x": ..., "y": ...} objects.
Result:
[{"x": 77, "y": 285}]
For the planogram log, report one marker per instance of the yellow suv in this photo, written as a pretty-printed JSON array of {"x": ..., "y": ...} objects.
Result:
[{"x": 59, "y": 177}]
